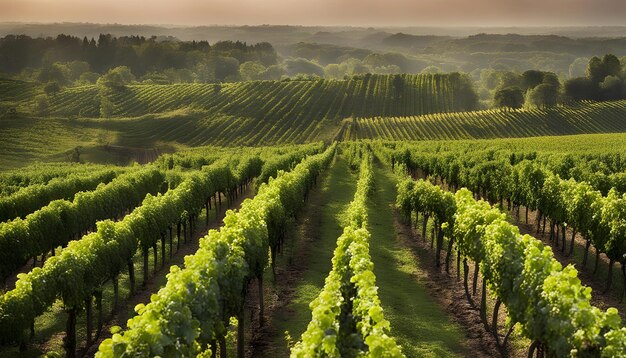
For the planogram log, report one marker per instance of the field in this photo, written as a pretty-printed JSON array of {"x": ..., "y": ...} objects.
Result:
[
  {"x": 379, "y": 215},
  {"x": 148, "y": 120}
]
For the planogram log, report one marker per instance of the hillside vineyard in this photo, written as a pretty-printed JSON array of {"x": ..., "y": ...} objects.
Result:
[{"x": 378, "y": 215}]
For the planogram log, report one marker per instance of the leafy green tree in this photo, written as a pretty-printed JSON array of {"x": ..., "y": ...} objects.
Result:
[
  {"x": 598, "y": 69},
  {"x": 490, "y": 79},
  {"x": 274, "y": 73},
  {"x": 595, "y": 70},
  {"x": 53, "y": 73},
  {"x": 580, "y": 88},
  {"x": 251, "y": 71},
  {"x": 612, "y": 65},
  {"x": 88, "y": 78},
  {"x": 509, "y": 97},
  {"x": 510, "y": 79},
  {"x": 224, "y": 68},
  {"x": 116, "y": 78},
  {"x": 76, "y": 69},
  {"x": 531, "y": 79},
  {"x": 612, "y": 88},
  {"x": 302, "y": 66},
  {"x": 542, "y": 96},
  {"x": 334, "y": 71},
  {"x": 432, "y": 69},
  {"x": 551, "y": 79}
]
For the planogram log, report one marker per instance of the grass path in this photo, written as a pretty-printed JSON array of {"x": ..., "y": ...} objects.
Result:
[
  {"x": 306, "y": 261},
  {"x": 418, "y": 322}
]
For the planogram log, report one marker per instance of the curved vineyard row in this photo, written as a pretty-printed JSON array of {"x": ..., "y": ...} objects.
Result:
[
  {"x": 41, "y": 173},
  {"x": 604, "y": 117},
  {"x": 547, "y": 300},
  {"x": 60, "y": 221},
  {"x": 191, "y": 312},
  {"x": 33, "y": 197},
  {"x": 16, "y": 94},
  {"x": 299, "y": 100},
  {"x": 601, "y": 167},
  {"x": 599, "y": 218},
  {"x": 85, "y": 265}
]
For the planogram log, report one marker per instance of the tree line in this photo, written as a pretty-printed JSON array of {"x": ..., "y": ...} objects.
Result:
[
  {"x": 67, "y": 59},
  {"x": 604, "y": 80}
]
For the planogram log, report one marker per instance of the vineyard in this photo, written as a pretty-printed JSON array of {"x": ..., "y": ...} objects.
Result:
[
  {"x": 299, "y": 100},
  {"x": 375, "y": 216},
  {"x": 525, "y": 236},
  {"x": 606, "y": 117},
  {"x": 269, "y": 113}
]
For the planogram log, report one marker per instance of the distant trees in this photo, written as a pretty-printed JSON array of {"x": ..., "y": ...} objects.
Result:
[
  {"x": 531, "y": 88},
  {"x": 599, "y": 69},
  {"x": 251, "y": 71},
  {"x": 274, "y": 72},
  {"x": 302, "y": 66},
  {"x": 578, "y": 68},
  {"x": 117, "y": 78},
  {"x": 55, "y": 72},
  {"x": 334, "y": 71},
  {"x": 432, "y": 69},
  {"x": 509, "y": 97},
  {"x": 604, "y": 81},
  {"x": 579, "y": 88},
  {"x": 51, "y": 88},
  {"x": 88, "y": 78},
  {"x": 612, "y": 88},
  {"x": 224, "y": 68},
  {"x": 531, "y": 79},
  {"x": 65, "y": 59},
  {"x": 544, "y": 95}
]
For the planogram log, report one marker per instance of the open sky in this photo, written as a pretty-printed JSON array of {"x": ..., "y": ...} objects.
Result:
[{"x": 322, "y": 12}]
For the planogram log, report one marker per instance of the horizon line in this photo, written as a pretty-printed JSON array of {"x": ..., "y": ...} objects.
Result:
[{"x": 493, "y": 26}]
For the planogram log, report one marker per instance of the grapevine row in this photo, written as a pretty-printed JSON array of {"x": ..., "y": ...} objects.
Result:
[
  {"x": 33, "y": 197},
  {"x": 80, "y": 271},
  {"x": 566, "y": 203},
  {"x": 548, "y": 301},
  {"x": 60, "y": 221},
  {"x": 42, "y": 173},
  {"x": 347, "y": 317},
  {"x": 192, "y": 311},
  {"x": 605, "y": 117}
]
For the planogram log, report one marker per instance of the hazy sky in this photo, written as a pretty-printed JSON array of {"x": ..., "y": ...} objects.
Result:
[{"x": 321, "y": 12}]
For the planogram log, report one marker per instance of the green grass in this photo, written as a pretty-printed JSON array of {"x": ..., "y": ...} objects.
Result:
[
  {"x": 119, "y": 141},
  {"x": 330, "y": 199},
  {"x": 418, "y": 323}
]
